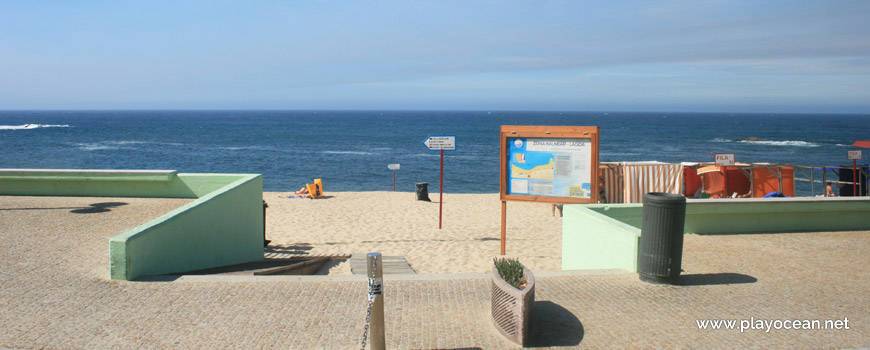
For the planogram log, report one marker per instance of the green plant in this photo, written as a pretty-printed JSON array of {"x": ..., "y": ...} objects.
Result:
[{"x": 510, "y": 270}]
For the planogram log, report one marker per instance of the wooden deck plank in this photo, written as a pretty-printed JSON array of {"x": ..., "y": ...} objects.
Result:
[{"x": 391, "y": 265}]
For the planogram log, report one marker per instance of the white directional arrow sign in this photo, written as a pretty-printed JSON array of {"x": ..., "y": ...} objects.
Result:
[{"x": 440, "y": 142}]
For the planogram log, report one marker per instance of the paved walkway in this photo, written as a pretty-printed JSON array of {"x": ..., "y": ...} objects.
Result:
[{"x": 55, "y": 293}]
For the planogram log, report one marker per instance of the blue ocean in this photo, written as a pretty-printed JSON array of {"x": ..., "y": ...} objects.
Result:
[{"x": 350, "y": 150}]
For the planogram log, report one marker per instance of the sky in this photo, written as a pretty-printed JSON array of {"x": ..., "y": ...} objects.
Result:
[{"x": 692, "y": 56}]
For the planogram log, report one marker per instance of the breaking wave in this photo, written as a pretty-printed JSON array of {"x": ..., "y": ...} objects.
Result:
[
  {"x": 782, "y": 143},
  {"x": 350, "y": 152},
  {"x": 772, "y": 143},
  {"x": 31, "y": 126},
  {"x": 118, "y": 145}
]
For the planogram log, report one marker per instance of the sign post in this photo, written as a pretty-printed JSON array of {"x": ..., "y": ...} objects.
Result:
[
  {"x": 854, "y": 156},
  {"x": 724, "y": 160},
  {"x": 547, "y": 164},
  {"x": 440, "y": 143},
  {"x": 393, "y": 167}
]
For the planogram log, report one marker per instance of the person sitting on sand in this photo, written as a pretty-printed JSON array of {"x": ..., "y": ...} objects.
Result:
[
  {"x": 829, "y": 191},
  {"x": 303, "y": 192}
]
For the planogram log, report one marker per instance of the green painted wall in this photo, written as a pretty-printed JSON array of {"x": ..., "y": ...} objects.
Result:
[
  {"x": 591, "y": 239},
  {"x": 221, "y": 228},
  {"x": 777, "y": 215},
  {"x": 598, "y": 236},
  {"x": 89, "y": 183}
]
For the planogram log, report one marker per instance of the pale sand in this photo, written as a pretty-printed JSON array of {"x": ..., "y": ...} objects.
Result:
[{"x": 396, "y": 224}]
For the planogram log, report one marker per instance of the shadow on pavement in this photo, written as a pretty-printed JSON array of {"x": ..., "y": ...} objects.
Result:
[
  {"x": 708, "y": 279},
  {"x": 98, "y": 208},
  {"x": 555, "y": 326}
]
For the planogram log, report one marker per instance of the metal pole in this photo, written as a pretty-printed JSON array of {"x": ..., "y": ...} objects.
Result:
[
  {"x": 265, "y": 241},
  {"x": 503, "y": 224},
  {"x": 394, "y": 181},
  {"x": 779, "y": 177},
  {"x": 854, "y": 178},
  {"x": 441, "y": 191},
  {"x": 375, "y": 270}
]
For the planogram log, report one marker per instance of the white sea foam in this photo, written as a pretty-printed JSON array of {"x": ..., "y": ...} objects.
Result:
[
  {"x": 433, "y": 154},
  {"x": 123, "y": 144},
  {"x": 771, "y": 142},
  {"x": 350, "y": 152},
  {"x": 95, "y": 146},
  {"x": 621, "y": 154},
  {"x": 782, "y": 143},
  {"x": 127, "y": 142},
  {"x": 31, "y": 126}
]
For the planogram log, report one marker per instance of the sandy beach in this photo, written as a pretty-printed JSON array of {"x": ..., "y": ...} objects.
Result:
[{"x": 396, "y": 224}]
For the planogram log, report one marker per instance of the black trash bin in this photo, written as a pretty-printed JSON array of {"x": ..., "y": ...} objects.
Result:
[
  {"x": 661, "y": 237},
  {"x": 423, "y": 191}
]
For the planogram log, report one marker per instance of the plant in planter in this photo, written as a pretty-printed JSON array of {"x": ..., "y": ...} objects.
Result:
[{"x": 513, "y": 300}]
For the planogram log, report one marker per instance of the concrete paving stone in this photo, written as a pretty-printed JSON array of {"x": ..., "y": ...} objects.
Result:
[{"x": 55, "y": 293}]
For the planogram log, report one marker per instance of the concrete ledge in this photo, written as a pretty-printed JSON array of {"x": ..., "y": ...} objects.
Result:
[
  {"x": 599, "y": 236},
  {"x": 82, "y": 174},
  {"x": 223, "y": 227},
  {"x": 95, "y": 183}
]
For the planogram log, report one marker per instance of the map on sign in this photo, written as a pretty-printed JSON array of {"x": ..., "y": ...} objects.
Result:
[{"x": 550, "y": 167}]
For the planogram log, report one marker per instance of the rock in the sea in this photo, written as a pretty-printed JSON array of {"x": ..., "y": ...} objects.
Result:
[{"x": 753, "y": 139}]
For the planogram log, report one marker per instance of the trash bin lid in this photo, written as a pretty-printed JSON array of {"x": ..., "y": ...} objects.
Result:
[{"x": 664, "y": 198}]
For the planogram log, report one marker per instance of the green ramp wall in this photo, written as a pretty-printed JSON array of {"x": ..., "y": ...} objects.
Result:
[
  {"x": 222, "y": 226},
  {"x": 607, "y": 236}
]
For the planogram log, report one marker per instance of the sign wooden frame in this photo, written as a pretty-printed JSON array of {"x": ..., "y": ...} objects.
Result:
[{"x": 589, "y": 133}]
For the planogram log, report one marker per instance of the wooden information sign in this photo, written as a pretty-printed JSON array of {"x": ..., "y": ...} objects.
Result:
[{"x": 548, "y": 164}]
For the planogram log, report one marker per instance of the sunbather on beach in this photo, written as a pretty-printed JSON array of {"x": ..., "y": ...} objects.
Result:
[{"x": 303, "y": 191}]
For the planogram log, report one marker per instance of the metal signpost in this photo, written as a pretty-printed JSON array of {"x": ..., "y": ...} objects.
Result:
[
  {"x": 440, "y": 143},
  {"x": 393, "y": 167},
  {"x": 725, "y": 159},
  {"x": 854, "y": 156}
]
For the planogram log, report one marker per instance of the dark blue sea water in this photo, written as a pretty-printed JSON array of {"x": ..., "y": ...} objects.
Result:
[{"x": 350, "y": 150}]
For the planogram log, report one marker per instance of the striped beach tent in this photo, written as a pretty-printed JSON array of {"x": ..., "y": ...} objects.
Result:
[
  {"x": 644, "y": 177},
  {"x": 611, "y": 180}
]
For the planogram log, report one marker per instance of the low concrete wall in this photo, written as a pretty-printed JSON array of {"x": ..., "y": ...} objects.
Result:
[
  {"x": 94, "y": 183},
  {"x": 223, "y": 226},
  {"x": 594, "y": 240},
  {"x": 604, "y": 236},
  {"x": 772, "y": 215}
]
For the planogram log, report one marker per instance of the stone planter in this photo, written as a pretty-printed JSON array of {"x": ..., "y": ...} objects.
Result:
[{"x": 513, "y": 310}]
